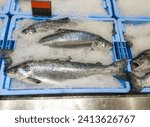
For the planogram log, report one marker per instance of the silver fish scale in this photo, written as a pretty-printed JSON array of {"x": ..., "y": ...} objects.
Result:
[
  {"x": 46, "y": 25},
  {"x": 68, "y": 38},
  {"x": 61, "y": 70},
  {"x": 47, "y": 70}
]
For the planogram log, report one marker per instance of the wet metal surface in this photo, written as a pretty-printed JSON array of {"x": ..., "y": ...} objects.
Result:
[{"x": 76, "y": 102}]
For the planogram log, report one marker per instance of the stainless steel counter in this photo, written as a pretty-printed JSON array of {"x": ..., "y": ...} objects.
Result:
[{"x": 77, "y": 102}]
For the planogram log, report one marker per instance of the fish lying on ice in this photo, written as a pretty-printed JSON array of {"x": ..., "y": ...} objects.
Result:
[
  {"x": 56, "y": 70},
  {"x": 141, "y": 62},
  {"x": 46, "y": 25},
  {"x": 75, "y": 38}
]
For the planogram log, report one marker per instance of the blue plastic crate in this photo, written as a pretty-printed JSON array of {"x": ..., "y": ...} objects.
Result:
[
  {"x": 127, "y": 51},
  {"x": 15, "y": 9},
  {"x": 3, "y": 30},
  {"x": 5, "y": 7},
  {"x": 118, "y": 13},
  {"x": 6, "y": 81}
]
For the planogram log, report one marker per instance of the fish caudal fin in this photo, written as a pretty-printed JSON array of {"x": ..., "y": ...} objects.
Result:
[
  {"x": 8, "y": 62},
  {"x": 135, "y": 82},
  {"x": 5, "y": 55},
  {"x": 123, "y": 76},
  {"x": 132, "y": 78},
  {"x": 120, "y": 65}
]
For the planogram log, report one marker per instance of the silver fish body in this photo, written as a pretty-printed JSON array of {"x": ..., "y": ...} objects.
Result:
[
  {"x": 56, "y": 70},
  {"x": 141, "y": 62},
  {"x": 74, "y": 38},
  {"x": 46, "y": 25}
]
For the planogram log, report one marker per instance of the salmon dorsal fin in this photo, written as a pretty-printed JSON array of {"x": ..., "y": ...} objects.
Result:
[{"x": 63, "y": 30}]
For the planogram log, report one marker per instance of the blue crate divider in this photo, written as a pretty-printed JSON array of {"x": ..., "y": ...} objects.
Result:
[
  {"x": 5, "y": 7},
  {"x": 118, "y": 14},
  {"x": 3, "y": 30},
  {"x": 6, "y": 85},
  {"x": 15, "y": 9},
  {"x": 127, "y": 51}
]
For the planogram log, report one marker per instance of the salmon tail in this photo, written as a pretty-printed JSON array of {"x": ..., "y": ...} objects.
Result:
[
  {"x": 8, "y": 62},
  {"x": 123, "y": 76},
  {"x": 120, "y": 65},
  {"x": 135, "y": 82},
  {"x": 132, "y": 78},
  {"x": 5, "y": 55}
]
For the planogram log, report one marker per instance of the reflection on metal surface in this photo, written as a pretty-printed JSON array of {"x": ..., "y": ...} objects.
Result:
[{"x": 76, "y": 102}]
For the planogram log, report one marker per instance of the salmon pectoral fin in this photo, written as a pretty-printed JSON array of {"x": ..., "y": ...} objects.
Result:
[{"x": 34, "y": 80}]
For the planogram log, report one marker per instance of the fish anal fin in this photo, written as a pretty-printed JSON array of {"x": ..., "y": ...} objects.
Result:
[
  {"x": 34, "y": 80},
  {"x": 69, "y": 59},
  {"x": 60, "y": 30},
  {"x": 99, "y": 64}
]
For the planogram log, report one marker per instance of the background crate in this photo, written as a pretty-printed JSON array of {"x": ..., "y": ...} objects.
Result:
[
  {"x": 15, "y": 9},
  {"x": 3, "y": 30},
  {"x": 118, "y": 14},
  {"x": 127, "y": 51},
  {"x": 6, "y": 81},
  {"x": 5, "y": 7}
]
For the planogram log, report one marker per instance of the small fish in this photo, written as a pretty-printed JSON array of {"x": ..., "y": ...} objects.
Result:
[
  {"x": 48, "y": 71},
  {"x": 75, "y": 38},
  {"x": 141, "y": 62},
  {"x": 46, "y": 25}
]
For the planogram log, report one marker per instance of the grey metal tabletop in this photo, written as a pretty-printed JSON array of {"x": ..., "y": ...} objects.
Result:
[{"x": 74, "y": 102}]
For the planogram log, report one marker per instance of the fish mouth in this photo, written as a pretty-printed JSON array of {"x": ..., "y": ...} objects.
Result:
[{"x": 135, "y": 65}]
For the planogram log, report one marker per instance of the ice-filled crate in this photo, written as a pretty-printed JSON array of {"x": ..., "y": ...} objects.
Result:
[
  {"x": 83, "y": 62},
  {"x": 5, "y": 6},
  {"x": 131, "y": 8},
  {"x": 96, "y": 8},
  {"x": 134, "y": 34},
  {"x": 4, "y": 20}
]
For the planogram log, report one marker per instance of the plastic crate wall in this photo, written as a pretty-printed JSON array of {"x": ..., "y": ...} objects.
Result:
[
  {"x": 5, "y": 7},
  {"x": 127, "y": 50},
  {"x": 15, "y": 9},
  {"x": 117, "y": 12},
  {"x": 4, "y": 30}
]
